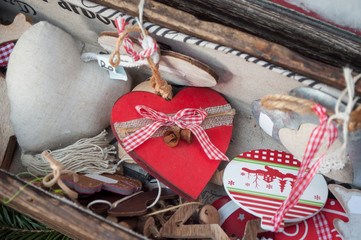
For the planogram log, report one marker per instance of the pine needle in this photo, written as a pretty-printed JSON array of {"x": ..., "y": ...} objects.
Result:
[{"x": 16, "y": 226}]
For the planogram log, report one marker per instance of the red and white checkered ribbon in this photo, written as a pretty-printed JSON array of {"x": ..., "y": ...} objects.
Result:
[
  {"x": 5, "y": 51},
  {"x": 189, "y": 118},
  {"x": 322, "y": 229},
  {"x": 148, "y": 44},
  {"x": 317, "y": 137}
]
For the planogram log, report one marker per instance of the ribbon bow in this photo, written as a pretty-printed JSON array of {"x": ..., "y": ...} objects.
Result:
[
  {"x": 190, "y": 118},
  {"x": 317, "y": 137}
]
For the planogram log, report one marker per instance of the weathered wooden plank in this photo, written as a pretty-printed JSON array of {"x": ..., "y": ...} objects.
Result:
[
  {"x": 58, "y": 213},
  {"x": 303, "y": 34},
  {"x": 9, "y": 153},
  {"x": 167, "y": 16}
]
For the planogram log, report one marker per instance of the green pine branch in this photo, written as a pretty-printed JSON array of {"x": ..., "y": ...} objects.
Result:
[{"x": 16, "y": 226}]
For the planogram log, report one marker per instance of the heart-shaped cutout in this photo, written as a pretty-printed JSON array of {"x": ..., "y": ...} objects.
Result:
[
  {"x": 92, "y": 183},
  {"x": 186, "y": 169},
  {"x": 295, "y": 141}
]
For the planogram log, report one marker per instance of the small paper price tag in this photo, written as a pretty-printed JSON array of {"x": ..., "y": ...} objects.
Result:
[{"x": 114, "y": 73}]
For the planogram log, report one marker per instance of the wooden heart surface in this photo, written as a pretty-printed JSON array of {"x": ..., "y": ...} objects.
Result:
[
  {"x": 259, "y": 181},
  {"x": 186, "y": 169}
]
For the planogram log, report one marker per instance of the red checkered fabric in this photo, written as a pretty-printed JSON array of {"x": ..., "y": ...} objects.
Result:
[
  {"x": 189, "y": 118},
  {"x": 322, "y": 229},
  {"x": 5, "y": 51},
  {"x": 129, "y": 46},
  {"x": 317, "y": 137}
]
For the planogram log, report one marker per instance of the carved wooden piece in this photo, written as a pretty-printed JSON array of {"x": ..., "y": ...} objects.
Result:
[
  {"x": 130, "y": 223},
  {"x": 13, "y": 31},
  {"x": 184, "y": 70},
  {"x": 58, "y": 214},
  {"x": 175, "y": 227},
  {"x": 136, "y": 205},
  {"x": 253, "y": 227},
  {"x": 147, "y": 227},
  {"x": 145, "y": 86},
  {"x": 172, "y": 18},
  {"x": 208, "y": 215},
  {"x": 217, "y": 177}
]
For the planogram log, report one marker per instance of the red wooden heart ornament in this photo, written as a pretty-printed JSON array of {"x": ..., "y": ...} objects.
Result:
[{"x": 186, "y": 168}]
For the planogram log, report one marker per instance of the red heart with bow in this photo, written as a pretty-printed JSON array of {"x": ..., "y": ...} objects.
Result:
[{"x": 186, "y": 168}]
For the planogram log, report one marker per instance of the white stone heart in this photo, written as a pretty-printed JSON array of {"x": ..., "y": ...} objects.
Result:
[{"x": 55, "y": 98}]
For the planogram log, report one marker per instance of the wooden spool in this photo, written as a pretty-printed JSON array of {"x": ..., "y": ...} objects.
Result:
[{"x": 208, "y": 215}]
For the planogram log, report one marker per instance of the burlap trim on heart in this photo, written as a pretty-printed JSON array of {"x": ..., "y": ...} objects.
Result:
[{"x": 125, "y": 128}]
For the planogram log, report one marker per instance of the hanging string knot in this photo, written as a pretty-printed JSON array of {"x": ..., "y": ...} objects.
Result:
[
  {"x": 150, "y": 53},
  {"x": 321, "y": 112},
  {"x": 150, "y": 47}
]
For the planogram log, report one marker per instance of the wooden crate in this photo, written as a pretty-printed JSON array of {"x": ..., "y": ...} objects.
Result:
[{"x": 224, "y": 26}]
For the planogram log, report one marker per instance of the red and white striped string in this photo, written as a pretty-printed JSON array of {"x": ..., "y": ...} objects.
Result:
[
  {"x": 150, "y": 47},
  {"x": 189, "y": 118}
]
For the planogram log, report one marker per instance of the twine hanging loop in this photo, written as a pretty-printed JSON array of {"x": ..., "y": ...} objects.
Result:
[
  {"x": 150, "y": 52},
  {"x": 55, "y": 176}
]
